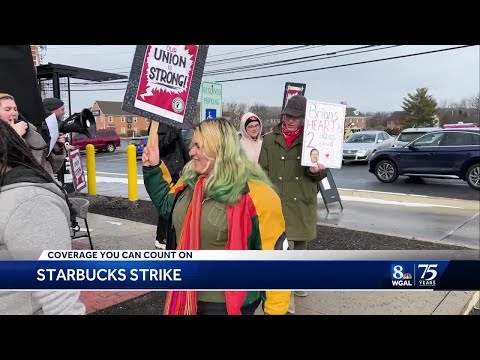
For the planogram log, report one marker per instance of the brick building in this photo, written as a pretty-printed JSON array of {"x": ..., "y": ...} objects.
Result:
[
  {"x": 396, "y": 120},
  {"x": 35, "y": 54},
  {"x": 109, "y": 115},
  {"x": 354, "y": 118}
]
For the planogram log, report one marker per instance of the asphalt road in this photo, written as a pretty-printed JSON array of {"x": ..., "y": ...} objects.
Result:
[
  {"x": 357, "y": 176},
  {"x": 350, "y": 176}
]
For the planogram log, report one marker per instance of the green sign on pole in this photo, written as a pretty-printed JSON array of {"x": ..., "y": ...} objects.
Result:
[{"x": 211, "y": 101}]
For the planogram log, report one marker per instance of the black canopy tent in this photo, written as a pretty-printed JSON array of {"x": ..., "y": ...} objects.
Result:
[
  {"x": 53, "y": 73},
  {"x": 19, "y": 78},
  {"x": 50, "y": 82}
]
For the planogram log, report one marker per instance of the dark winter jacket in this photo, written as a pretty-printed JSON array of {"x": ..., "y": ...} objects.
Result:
[
  {"x": 294, "y": 183},
  {"x": 173, "y": 151}
]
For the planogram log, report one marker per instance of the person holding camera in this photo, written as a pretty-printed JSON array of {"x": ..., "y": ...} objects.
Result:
[{"x": 50, "y": 162}]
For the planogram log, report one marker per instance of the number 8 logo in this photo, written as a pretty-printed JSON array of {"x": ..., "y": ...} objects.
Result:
[{"x": 398, "y": 272}]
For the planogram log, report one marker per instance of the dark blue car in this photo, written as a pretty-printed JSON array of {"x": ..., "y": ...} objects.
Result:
[
  {"x": 447, "y": 153},
  {"x": 140, "y": 143}
]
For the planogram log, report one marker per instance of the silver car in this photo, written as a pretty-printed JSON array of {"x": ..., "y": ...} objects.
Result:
[{"x": 360, "y": 146}]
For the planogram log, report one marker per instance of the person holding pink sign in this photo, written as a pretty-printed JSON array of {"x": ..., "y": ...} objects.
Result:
[{"x": 280, "y": 157}]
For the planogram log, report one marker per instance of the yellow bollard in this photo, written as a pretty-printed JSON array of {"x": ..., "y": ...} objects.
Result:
[
  {"x": 132, "y": 172},
  {"x": 91, "y": 172}
]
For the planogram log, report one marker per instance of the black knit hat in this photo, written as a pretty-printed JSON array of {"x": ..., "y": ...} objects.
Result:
[
  {"x": 52, "y": 104},
  {"x": 296, "y": 106},
  {"x": 251, "y": 119}
]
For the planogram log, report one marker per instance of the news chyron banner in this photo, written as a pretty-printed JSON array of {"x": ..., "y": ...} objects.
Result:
[
  {"x": 164, "y": 83},
  {"x": 231, "y": 270}
]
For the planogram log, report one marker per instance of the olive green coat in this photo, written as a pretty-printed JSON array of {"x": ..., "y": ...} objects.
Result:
[{"x": 295, "y": 185}]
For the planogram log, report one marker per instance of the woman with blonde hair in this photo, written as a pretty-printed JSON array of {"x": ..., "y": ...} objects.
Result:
[
  {"x": 51, "y": 162},
  {"x": 219, "y": 192}
]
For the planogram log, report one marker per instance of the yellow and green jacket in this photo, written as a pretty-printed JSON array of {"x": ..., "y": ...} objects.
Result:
[{"x": 255, "y": 222}]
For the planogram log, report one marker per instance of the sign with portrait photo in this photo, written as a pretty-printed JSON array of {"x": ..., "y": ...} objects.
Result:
[
  {"x": 164, "y": 83},
  {"x": 323, "y": 134}
]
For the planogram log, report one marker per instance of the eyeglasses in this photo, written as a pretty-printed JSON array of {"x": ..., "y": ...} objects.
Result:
[{"x": 253, "y": 126}]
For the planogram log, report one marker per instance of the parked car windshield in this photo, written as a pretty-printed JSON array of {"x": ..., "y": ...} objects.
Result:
[
  {"x": 137, "y": 141},
  {"x": 361, "y": 138},
  {"x": 409, "y": 136},
  {"x": 429, "y": 140}
]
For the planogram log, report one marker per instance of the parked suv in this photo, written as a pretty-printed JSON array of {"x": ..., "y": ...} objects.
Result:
[
  {"x": 448, "y": 153},
  {"x": 104, "y": 140},
  {"x": 411, "y": 134}
]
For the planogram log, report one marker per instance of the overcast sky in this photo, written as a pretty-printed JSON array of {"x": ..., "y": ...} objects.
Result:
[{"x": 377, "y": 86}]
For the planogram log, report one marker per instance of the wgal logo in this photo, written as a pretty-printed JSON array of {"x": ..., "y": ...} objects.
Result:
[{"x": 401, "y": 276}]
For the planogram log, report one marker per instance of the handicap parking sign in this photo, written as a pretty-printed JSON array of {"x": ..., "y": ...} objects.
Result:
[
  {"x": 210, "y": 113},
  {"x": 211, "y": 101}
]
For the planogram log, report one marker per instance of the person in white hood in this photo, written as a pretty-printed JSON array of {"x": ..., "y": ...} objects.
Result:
[{"x": 251, "y": 131}]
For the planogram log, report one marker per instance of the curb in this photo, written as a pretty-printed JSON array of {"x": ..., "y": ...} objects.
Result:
[
  {"x": 392, "y": 234},
  {"x": 457, "y": 303},
  {"x": 457, "y": 203},
  {"x": 471, "y": 303}
]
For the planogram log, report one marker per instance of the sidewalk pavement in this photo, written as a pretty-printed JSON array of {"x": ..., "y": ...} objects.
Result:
[
  {"x": 113, "y": 234},
  {"x": 432, "y": 219}
]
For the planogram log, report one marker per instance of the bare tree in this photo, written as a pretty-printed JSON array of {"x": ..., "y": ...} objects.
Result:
[
  {"x": 233, "y": 111},
  {"x": 260, "y": 110},
  {"x": 465, "y": 110},
  {"x": 474, "y": 102},
  {"x": 378, "y": 120}
]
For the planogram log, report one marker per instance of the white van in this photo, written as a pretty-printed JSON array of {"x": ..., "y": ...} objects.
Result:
[{"x": 410, "y": 134}]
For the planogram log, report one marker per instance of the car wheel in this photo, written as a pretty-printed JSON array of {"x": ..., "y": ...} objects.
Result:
[
  {"x": 110, "y": 148},
  {"x": 386, "y": 171},
  {"x": 473, "y": 176}
]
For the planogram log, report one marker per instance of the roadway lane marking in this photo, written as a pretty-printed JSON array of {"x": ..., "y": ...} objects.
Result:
[
  {"x": 116, "y": 160},
  {"x": 112, "y": 173},
  {"x": 383, "y": 192},
  {"x": 114, "y": 222},
  {"x": 105, "y": 179},
  {"x": 391, "y": 202}
]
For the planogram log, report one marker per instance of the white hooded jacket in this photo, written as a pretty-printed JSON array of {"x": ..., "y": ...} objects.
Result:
[{"x": 252, "y": 147}]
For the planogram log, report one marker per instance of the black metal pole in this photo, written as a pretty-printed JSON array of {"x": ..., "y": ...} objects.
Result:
[{"x": 69, "y": 97}]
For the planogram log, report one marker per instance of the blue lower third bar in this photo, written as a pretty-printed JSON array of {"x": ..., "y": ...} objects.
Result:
[{"x": 241, "y": 275}]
